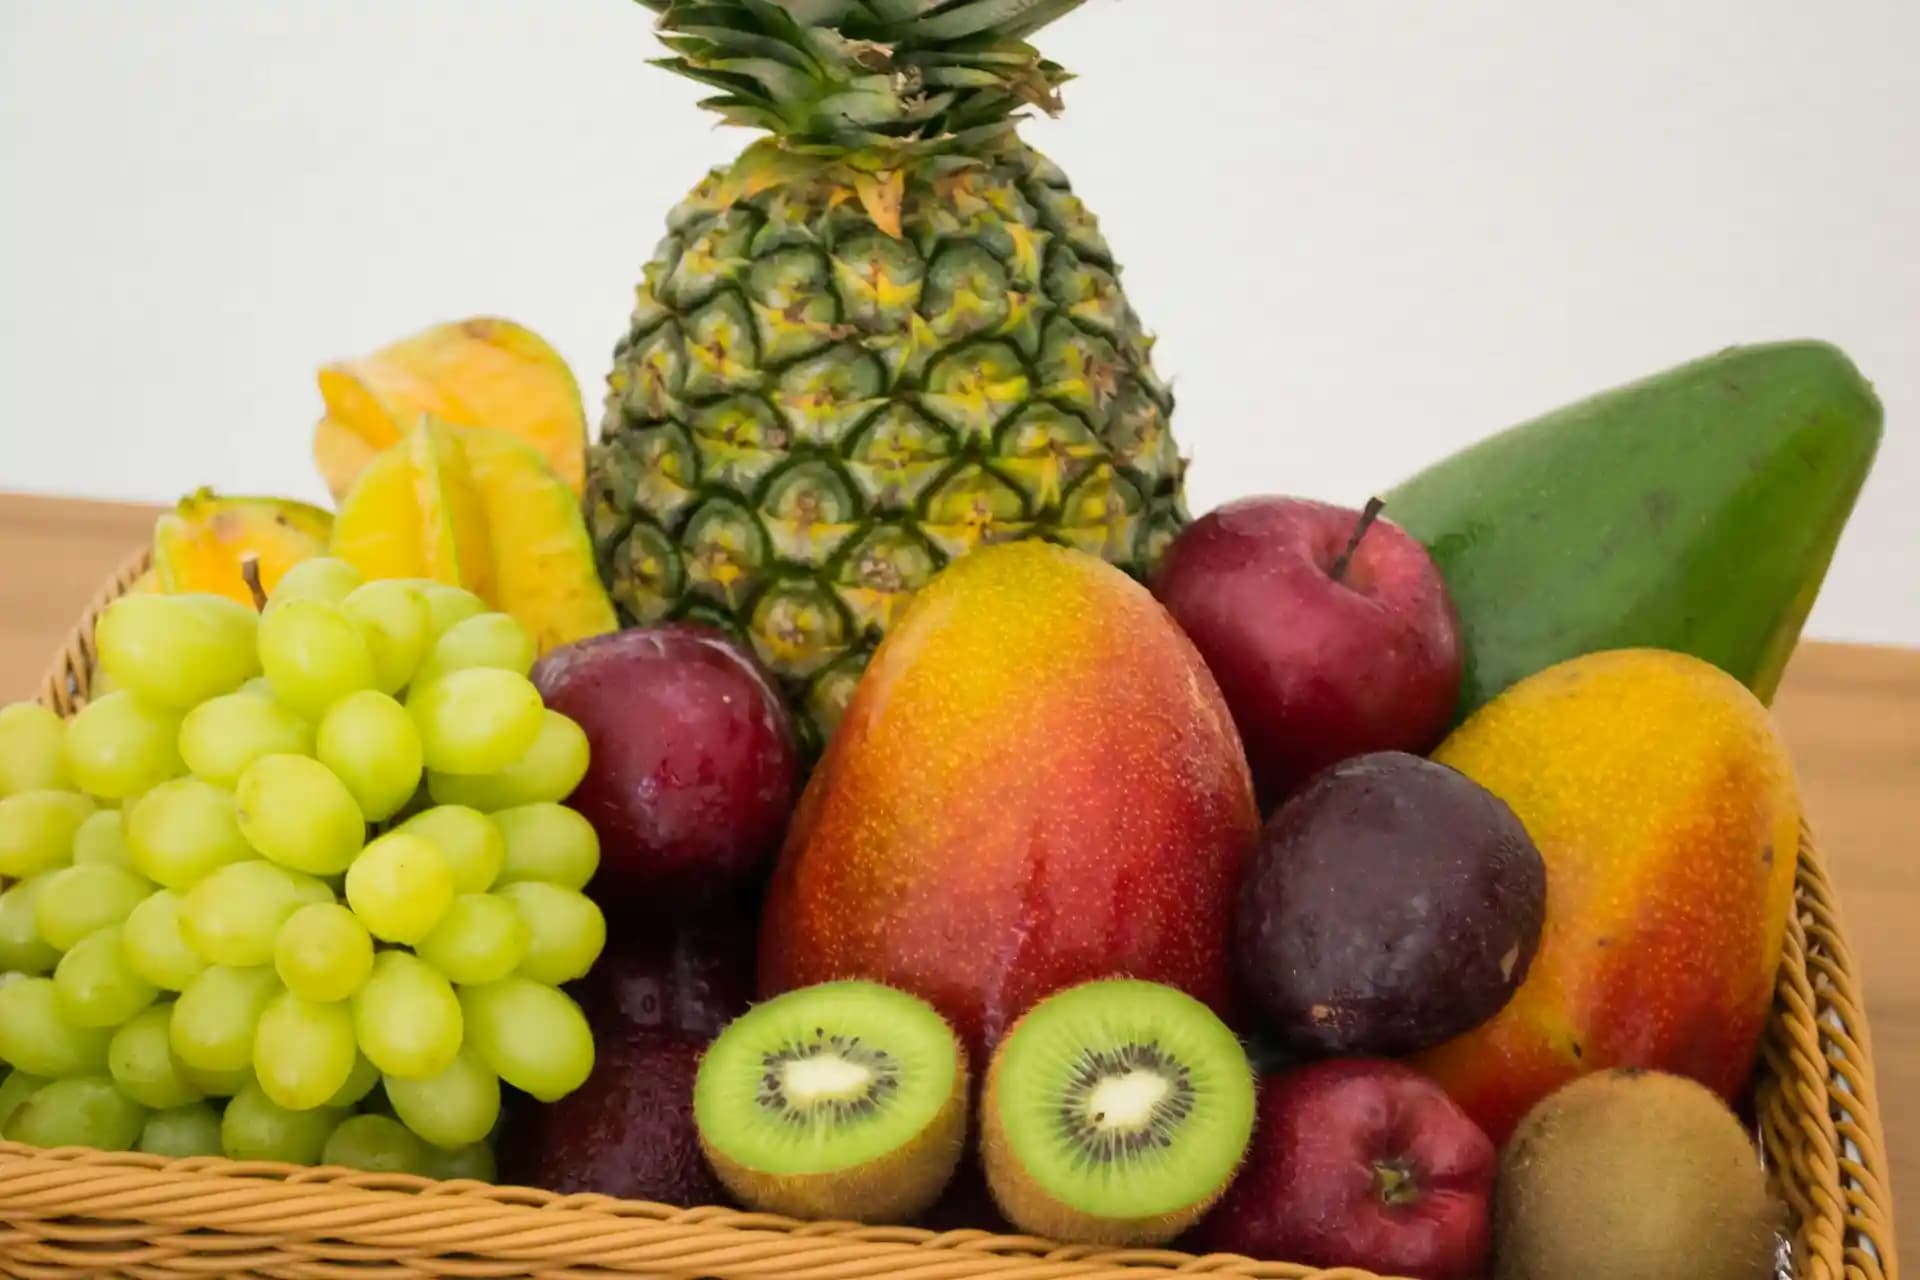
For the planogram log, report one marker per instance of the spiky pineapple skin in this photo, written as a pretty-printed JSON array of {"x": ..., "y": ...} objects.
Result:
[{"x": 808, "y": 417}]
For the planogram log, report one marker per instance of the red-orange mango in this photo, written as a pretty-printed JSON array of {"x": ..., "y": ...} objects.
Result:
[
  {"x": 1664, "y": 803},
  {"x": 1036, "y": 783}
]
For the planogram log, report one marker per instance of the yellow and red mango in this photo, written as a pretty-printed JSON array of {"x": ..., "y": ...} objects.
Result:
[
  {"x": 1664, "y": 804},
  {"x": 1036, "y": 783}
]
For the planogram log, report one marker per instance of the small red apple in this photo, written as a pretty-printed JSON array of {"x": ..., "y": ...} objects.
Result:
[
  {"x": 694, "y": 764},
  {"x": 1329, "y": 631},
  {"x": 1360, "y": 1162}
]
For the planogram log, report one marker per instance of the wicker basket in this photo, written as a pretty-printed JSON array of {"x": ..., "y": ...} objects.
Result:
[{"x": 86, "y": 1213}]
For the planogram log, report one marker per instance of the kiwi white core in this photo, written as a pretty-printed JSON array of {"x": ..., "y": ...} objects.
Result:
[
  {"x": 1127, "y": 1101},
  {"x": 828, "y": 1078}
]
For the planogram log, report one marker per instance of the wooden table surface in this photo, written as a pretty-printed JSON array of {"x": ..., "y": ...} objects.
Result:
[{"x": 1851, "y": 713}]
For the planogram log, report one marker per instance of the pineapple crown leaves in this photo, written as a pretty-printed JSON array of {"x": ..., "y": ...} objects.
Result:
[{"x": 879, "y": 82}]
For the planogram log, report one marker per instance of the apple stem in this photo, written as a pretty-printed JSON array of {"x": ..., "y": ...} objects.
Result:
[
  {"x": 1372, "y": 512},
  {"x": 250, "y": 573},
  {"x": 1396, "y": 1182}
]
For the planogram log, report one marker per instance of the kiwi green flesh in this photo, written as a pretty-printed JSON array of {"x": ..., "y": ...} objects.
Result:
[
  {"x": 1124, "y": 1100},
  {"x": 825, "y": 1079}
]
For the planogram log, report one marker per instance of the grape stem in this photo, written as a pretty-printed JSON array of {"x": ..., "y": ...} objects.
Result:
[{"x": 250, "y": 572}]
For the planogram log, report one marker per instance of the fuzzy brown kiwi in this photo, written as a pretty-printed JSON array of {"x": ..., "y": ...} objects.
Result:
[
  {"x": 1633, "y": 1175},
  {"x": 842, "y": 1101},
  {"x": 1116, "y": 1112}
]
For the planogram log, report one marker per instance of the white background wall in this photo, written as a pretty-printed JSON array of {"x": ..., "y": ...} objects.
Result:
[{"x": 1368, "y": 231}]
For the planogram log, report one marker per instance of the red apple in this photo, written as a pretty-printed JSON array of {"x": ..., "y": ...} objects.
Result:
[
  {"x": 1360, "y": 1162},
  {"x": 1329, "y": 631},
  {"x": 694, "y": 763}
]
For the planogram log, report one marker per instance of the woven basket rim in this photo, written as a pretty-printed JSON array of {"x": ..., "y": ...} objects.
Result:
[{"x": 72, "y": 1211}]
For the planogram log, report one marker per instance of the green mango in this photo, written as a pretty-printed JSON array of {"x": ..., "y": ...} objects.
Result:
[{"x": 1694, "y": 510}]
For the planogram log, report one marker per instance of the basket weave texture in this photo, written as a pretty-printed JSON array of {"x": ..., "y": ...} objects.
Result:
[{"x": 75, "y": 1212}]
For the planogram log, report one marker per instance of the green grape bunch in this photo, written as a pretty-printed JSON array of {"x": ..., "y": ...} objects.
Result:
[{"x": 298, "y": 886}]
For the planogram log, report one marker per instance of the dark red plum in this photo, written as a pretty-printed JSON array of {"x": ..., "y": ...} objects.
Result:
[
  {"x": 627, "y": 1132},
  {"x": 694, "y": 761},
  {"x": 688, "y": 976}
]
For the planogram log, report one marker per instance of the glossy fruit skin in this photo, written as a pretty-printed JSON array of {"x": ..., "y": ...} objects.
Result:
[
  {"x": 1663, "y": 801},
  {"x": 1694, "y": 510},
  {"x": 1336, "y": 1144},
  {"x": 1392, "y": 904},
  {"x": 1037, "y": 783},
  {"x": 686, "y": 977},
  {"x": 627, "y": 1132},
  {"x": 694, "y": 763},
  {"x": 659, "y": 993},
  {"x": 1316, "y": 670}
]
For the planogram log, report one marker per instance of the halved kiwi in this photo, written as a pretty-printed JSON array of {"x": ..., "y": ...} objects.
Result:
[
  {"x": 846, "y": 1100},
  {"x": 1116, "y": 1113}
]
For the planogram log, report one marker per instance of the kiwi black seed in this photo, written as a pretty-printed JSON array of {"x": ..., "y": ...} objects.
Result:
[
  {"x": 843, "y": 1101},
  {"x": 1633, "y": 1175},
  {"x": 1116, "y": 1113}
]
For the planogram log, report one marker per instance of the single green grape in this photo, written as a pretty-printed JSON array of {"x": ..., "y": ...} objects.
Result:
[
  {"x": 81, "y": 1111},
  {"x": 155, "y": 947},
  {"x": 22, "y": 949},
  {"x": 482, "y": 938},
  {"x": 565, "y": 930},
  {"x": 36, "y": 1037},
  {"x": 449, "y": 605},
  {"x": 360, "y": 1083},
  {"x": 215, "y": 1017},
  {"x": 369, "y": 742},
  {"x": 96, "y": 985},
  {"x": 102, "y": 838},
  {"x": 181, "y": 1132},
  {"x": 296, "y": 812},
  {"x": 314, "y": 655},
  {"x": 453, "y": 1108},
  {"x": 37, "y": 830},
  {"x": 476, "y": 720},
  {"x": 120, "y": 746},
  {"x": 376, "y": 1144},
  {"x": 550, "y": 770},
  {"x": 182, "y": 831},
  {"x": 549, "y": 843},
  {"x": 397, "y": 626},
  {"x": 77, "y": 900},
  {"x": 14, "y": 1090},
  {"x": 141, "y": 1060},
  {"x": 484, "y": 640},
  {"x": 532, "y": 1035},
  {"x": 473, "y": 846},
  {"x": 473, "y": 1161},
  {"x": 323, "y": 952},
  {"x": 177, "y": 650},
  {"x": 324, "y": 578},
  {"x": 221, "y": 737},
  {"x": 259, "y": 687},
  {"x": 400, "y": 886},
  {"x": 303, "y": 1052},
  {"x": 255, "y": 1127},
  {"x": 31, "y": 737},
  {"x": 407, "y": 1017},
  {"x": 233, "y": 917}
]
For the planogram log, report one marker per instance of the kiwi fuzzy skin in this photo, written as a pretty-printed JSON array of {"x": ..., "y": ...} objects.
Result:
[
  {"x": 1029, "y": 1207},
  {"x": 896, "y": 1188},
  {"x": 1632, "y": 1175}
]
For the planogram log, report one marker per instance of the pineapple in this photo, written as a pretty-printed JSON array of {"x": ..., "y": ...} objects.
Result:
[{"x": 887, "y": 334}]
